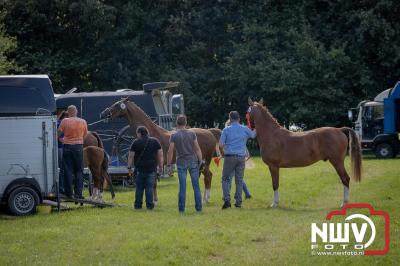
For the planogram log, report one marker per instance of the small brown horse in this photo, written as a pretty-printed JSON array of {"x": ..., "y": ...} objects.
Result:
[
  {"x": 97, "y": 161},
  {"x": 281, "y": 148},
  {"x": 207, "y": 139},
  {"x": 92, "y": 139}
]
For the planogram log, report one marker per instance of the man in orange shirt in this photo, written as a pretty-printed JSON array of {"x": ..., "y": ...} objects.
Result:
[{"x": 74, "y": 129}]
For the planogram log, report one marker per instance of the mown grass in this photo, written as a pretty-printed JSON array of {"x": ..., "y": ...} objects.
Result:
[{"x": 253, "y": 235}]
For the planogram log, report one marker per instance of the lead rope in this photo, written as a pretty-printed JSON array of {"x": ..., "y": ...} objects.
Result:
[{"x": 248, "y": 120}]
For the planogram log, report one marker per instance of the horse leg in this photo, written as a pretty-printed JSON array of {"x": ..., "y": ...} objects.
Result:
[
  {"x": 107, "y": 179},
  {"x": 207, "y": 183},
  {"x": 100, "y": 197},
  {"x": 274, "y": 170},
  {"x": 341, "y": 171},
  {"x": 93, "y": 197}
]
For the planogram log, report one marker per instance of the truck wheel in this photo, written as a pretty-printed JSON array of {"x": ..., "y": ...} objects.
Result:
[
  {"x": 23, "y": 201},
  {"x": 384, "y": 151}
]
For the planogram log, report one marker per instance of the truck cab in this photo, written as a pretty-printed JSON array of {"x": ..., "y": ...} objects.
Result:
[{"x": 377, "y": 123}]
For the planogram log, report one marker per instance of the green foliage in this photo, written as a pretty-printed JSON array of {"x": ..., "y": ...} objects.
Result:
[
  {"x": 7, "y": 45},
  {"x": 311, "y": 60}
]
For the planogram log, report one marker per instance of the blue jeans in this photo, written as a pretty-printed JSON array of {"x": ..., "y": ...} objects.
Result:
[
  {"x": 144, "y": 182},
  {"x": 193, "y": 168},
  {"x": 61, "y": 174},
  {"x": 233, "y": 165},
  {"x": 73, "y": 166},
  {"x": 245, "y": 188}
]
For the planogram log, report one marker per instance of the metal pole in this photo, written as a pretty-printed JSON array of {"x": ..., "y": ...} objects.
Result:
[
  {"x": 44, "y": 146},
  {"x": 56, "y": 176}
]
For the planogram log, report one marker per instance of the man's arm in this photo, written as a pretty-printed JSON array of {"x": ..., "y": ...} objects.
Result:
[
  {"x": 222, "y": 139},
  {"x": 251, "y": 133},
  {"x": 59, "y": 133},
  {"x": 170, "y": 153},
  {"x": 131, "y": 156},
  {"x": 85, "y": 130},
  {"x": 160, "y": 157},
  {"x": 197, "y": 150}
]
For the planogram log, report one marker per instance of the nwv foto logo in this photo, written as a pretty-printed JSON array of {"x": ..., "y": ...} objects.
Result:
[{"x": 338, "y": 236}]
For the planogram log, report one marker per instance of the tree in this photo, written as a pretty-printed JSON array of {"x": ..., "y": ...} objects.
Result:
[
  {"x": 7, "y": 45},
  {"x": 310, "y": 60}
]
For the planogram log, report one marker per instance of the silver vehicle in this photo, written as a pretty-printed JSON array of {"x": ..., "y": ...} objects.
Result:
[
  {"x": 377, "y": 123},
  {"x": 28, "y": 142}
]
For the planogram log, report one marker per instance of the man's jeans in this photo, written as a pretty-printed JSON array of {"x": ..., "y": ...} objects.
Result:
[
  {"x": 73, "y": 166},
  {"x": 245, "y": 188},
  {"x": 235, "y": 165},
  {"x": 61, "y": 174},
  {"x": 193, "y": 168},
  {"x": 144, "y": 181}
]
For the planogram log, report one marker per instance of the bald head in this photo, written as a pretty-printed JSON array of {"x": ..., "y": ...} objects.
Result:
[{"x": 72, "y": 111}]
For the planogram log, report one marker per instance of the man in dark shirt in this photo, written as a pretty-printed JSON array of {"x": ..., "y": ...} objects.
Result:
[{"x": 145, "y": 154}]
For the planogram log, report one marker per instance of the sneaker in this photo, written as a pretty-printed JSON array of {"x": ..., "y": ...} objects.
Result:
[
  {"x": 248, "y": 196},
  {"x": 238, "y": 205},
  {"x": 226, "y": 205}
]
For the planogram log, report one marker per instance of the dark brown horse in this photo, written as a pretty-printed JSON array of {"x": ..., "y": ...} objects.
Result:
[
  {"x": 136, "y": 116},
  {"x": 281, "y": 148}
]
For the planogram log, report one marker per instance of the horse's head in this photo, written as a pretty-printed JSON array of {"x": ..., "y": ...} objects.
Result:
[
  {"x": 118, "y": 109},
  {"x": 253, "y": 110}
]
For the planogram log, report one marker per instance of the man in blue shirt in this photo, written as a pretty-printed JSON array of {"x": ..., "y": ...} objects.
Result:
[{"x": 233, "y": 140}]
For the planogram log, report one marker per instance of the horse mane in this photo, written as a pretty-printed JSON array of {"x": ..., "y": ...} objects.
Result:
[
  {"x": 146, "y": 115},
  {"x": 265, "y": 111},
  {"x": 140, "y": 109}
]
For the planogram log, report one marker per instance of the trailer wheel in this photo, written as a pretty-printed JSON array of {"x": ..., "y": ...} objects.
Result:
[
  {"x": 384, "y": 151},
  {"x": 124, "y": 142},
  {"x": 23, "y": 201}
]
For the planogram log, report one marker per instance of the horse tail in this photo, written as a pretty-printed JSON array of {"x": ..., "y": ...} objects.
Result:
[
  {"x": 107, "y": 177},
  {"x": 99, "y": 141},
  {"x": 355, "y": 153},
  {"x": 218, "y": 150}
]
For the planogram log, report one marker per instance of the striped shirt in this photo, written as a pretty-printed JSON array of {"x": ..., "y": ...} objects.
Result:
[{"x": 74, "y": 129}]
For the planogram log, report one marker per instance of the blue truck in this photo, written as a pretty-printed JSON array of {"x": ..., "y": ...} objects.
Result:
[{"x": 377, "y": 123}]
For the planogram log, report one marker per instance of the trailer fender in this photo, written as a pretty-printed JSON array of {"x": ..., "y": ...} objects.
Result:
[{"x": 21, "y": 182}]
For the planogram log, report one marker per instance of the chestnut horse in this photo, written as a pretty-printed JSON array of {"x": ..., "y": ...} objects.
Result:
[
  {"x": 208, "y": 139},
  {"x": 96, "y": 159},
  {"x": 281, "y": 148},
  {"x": 92, "y": 139}
]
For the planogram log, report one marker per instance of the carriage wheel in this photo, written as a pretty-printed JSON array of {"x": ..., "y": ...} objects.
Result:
[{"x": 123, "y": 143}]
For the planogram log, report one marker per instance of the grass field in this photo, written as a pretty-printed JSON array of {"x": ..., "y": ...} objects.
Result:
[{"x": 253, "y": 235}]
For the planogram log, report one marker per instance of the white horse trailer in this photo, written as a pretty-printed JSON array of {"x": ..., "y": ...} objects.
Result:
[{"x": 28, "y": 143}]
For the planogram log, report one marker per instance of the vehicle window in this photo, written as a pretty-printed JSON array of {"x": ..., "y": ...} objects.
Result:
[
  {"x": 368, "y": 112},
  {"x": 176, "y": 105},
  {"x": 377, "y": 112}
]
